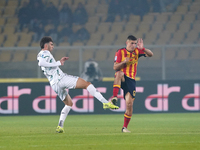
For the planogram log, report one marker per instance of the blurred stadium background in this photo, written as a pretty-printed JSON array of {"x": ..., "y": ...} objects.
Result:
[{"x": 174, "y": 37}]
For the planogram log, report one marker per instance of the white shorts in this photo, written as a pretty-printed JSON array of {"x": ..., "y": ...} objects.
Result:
[{"x": 67, "y": 82}]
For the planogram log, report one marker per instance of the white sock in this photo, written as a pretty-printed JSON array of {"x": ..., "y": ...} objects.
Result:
[
  {"x": 63, "y": 115},
  {"x": 93, "y": 91}
]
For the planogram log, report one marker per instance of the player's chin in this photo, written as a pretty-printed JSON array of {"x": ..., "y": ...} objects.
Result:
[{"x": 132, "y": 49}]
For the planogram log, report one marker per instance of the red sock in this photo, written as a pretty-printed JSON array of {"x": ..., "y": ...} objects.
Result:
[
  {"x": 127, "y": 119},
  {"x": 115, "y": 90}
]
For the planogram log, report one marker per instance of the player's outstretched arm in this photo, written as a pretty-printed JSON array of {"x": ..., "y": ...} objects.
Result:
[
  {"x": 42, "y": 62},
  {"x": 148, "y": 52}
]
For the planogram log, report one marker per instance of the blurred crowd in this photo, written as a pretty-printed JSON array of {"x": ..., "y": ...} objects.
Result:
[
  {"x": 138, "y": 7},
  {"x": 36, "y": 15}
]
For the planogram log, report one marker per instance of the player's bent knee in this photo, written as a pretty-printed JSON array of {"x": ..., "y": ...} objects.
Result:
[
  {"x": 119, "y": 74},
  {"x": 69, "y": 103},
  {"x": 88, "y": 83}
]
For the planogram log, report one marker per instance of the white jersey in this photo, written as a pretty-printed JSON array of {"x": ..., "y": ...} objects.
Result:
[{"x": 50, "y": 66}]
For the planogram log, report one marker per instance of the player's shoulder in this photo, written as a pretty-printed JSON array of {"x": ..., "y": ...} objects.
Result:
[
  {"x": 43, "y": 53},
  {"x": 121, "y": 49},
  {"x": 138, "y": 49}
]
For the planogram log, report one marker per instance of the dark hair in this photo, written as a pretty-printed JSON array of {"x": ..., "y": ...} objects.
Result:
[
  {"x": 44, "y": 40},
  {"x": 131, "y": 37}
]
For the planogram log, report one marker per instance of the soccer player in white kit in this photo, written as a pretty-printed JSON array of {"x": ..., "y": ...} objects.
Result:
[{"x": 60, "y": 81}]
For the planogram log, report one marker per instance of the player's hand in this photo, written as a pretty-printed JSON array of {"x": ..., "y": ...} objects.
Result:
[
  {"x": 127, "y": 59},
  {"x": 140, "y": 43},
  {"x": 63, "y": 59}
]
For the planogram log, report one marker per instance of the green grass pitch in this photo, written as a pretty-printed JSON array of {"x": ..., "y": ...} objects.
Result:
[{"x": 178, "y": 131}]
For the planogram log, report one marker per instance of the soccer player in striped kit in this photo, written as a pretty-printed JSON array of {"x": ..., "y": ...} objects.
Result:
[
  {"x": 125, "y": 65},
  {"x": 61, "y": 81}
]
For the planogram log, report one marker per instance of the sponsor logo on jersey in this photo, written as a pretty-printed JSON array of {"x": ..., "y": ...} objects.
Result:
[{"x": 115, "y": 58}]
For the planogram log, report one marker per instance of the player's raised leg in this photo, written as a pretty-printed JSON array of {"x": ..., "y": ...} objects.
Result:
[
  {"x": 119, "y": 77},
  {"x": 82, "y": 84}
]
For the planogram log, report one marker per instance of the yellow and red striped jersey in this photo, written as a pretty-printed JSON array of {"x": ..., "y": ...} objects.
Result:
[{"x": 130, "y": 68}]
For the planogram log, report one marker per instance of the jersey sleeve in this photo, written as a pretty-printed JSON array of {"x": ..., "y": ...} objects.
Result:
[
  {"x": 118, "y": 56},
  {"x": 141, "y": 53},
  {"x": 42, "y": 61}
]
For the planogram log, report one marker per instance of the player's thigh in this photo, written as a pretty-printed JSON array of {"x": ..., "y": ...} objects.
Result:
[{"x": 82, "y": 84}]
